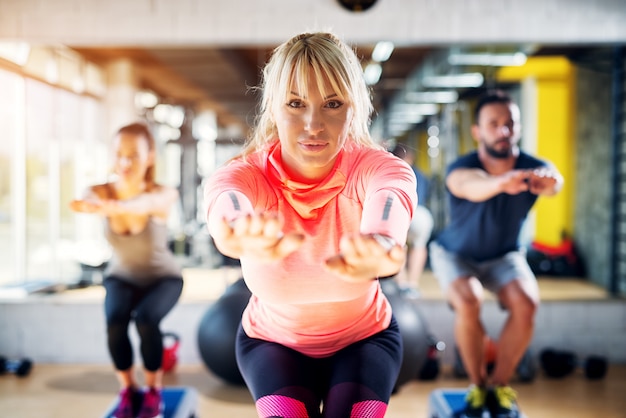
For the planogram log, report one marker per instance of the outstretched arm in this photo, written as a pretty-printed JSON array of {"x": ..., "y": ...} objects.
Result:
[
  {"x": 157, "y": 202},
  {"x": 238, "y": 231},
  {"x": 477, "y": 185},
  {"x": 378, "y": 251},
  {"x": 365, "y": 257}
]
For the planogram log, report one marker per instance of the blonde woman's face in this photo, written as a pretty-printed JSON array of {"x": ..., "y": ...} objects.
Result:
[
  {"x": 132, "y": 157},
  {"x": 312, "y": 129}
]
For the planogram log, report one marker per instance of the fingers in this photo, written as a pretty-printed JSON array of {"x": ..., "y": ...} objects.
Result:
[
  {"x": 337, "y": 265},
  {"x": 257, "y": 225},
  {"x": 363, "y": 258},
  {"x": 514, "y": 182},
  {"x": 259, "y": 236},
  {"x": 288, "y": 244},
  {"x": 361, "y": 246},
  {"x": 85, "y": 206}
]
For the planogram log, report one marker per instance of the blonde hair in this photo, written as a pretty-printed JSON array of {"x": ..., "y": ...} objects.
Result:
[{"x": 331, "y": 61}]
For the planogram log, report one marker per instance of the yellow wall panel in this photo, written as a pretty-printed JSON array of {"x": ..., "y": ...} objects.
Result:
[{"x": 555, "y": 138}]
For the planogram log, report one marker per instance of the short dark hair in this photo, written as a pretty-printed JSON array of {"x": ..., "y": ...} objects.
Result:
[
  {"x": 400, "y": 151},
  {"x": 494, "y": 96}
]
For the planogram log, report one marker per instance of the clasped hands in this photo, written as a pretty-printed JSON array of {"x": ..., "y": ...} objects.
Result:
[
  {"x": 537, "y": 181},
  {"x": 361, "y": 257}
]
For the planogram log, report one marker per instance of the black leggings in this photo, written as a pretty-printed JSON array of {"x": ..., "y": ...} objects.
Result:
[
  {"x": 357, "y": 381},
  {"x": 147, "y": 306}
]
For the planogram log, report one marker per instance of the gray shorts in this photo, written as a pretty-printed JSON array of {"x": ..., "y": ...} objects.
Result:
[
  {"x": 493, "y": 274},
  {"x": 421, "y": 227}
]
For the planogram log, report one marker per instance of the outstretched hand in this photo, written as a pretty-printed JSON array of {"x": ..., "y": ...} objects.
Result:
[
  {"x": 257, "y": 236},
  {"x": 543, "y": 181},
  {"x": 514, "y": 182},
  {"x": 363, "y": 258},
  {"x": 99, "y": 206}
]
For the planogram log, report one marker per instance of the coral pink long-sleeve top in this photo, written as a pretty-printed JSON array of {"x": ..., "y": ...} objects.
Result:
[{"x": 295, "y": 301}]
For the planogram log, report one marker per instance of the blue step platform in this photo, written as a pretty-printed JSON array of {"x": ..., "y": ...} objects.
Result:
[
  {"x": 449, "y": 403},
  {"x": 179, "y": 402}
]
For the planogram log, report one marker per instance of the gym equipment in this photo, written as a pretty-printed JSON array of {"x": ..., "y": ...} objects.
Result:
[
  {"x": 448, "y": 403},
  {"x": 178, "y": 402},
  {"x": 20, "y": 367},
  {"x": 416, "y": 339},
  {"x": 431, "y": 368},
  {"x": 217, "y": 332},
  {"x": 526, "y": 369},
  {"x": 171, "y": 342},
  {"x": 561, "y": 363}
]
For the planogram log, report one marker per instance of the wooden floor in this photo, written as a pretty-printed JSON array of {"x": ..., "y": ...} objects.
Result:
[{"x": 83, "y": 391}]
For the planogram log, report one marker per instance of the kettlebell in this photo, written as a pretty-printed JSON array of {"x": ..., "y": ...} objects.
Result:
[{"x": 171, "y": 342}]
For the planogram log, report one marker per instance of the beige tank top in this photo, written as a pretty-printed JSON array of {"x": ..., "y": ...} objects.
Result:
[{"x": 141, "y": 258}]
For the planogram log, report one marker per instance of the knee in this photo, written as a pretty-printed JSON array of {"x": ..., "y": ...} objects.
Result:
[
  {"x": 467, "y": 307},
  {"x": 145, "y": 317},
  {"x": 523, "y": 308},
  {"x": 117, "y": 319},
  {"x": 115, "y": 331},
  {"x": 146, "y": 324},
  {"x": 280, "y": 406}
]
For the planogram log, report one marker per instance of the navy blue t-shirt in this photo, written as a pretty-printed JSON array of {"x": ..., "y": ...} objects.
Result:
[
  {"x": 422, "y": 187},
  {"x": 485, "y": 230}
]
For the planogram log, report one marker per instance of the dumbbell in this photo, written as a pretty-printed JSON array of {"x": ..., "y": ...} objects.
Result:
[
  {"x": 432, "y": 366},
  {"x": 19, "y": 367},
  {"x": 171, "y": 342},
  {"x": 560, "y": 363}
]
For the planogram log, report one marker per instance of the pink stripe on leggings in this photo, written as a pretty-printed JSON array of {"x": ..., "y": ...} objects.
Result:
[
  {"x": 368, "y": 409},
  {"x": 280, "y": 406}
]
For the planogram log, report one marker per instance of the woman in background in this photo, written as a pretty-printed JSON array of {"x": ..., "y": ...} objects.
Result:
[{"x": 143, "y": 281}]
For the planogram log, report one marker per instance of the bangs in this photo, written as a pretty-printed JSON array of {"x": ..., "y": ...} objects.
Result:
[{"x": 329, "y": 73}]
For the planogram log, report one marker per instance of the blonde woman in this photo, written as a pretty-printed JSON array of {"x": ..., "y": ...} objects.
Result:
[{"x": 316, "y": 212}]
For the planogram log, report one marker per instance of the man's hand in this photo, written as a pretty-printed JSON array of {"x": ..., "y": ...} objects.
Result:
[
  {"x": 363, "y": 258},
  {"x": 544, "y": 181},
  {"x": 514, "y": 182},
  {"x": 257, "y": 236}
]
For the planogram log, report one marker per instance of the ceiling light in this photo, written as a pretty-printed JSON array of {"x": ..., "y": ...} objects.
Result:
[
  {"x": 496, "y": 60},
  {"x": 443, "y": 96},
  {"x": 454, "y": 80},
  {"x": 416, "y": 108},
  {"x": 382, "y": 51},
  {"x": 176, "y": 118},
  {"x": 162, "y": 113},
  {"x": 405, "y": 118},
  {"x": 146, "y": 99},
  {"x": 372, "y": 73}
]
